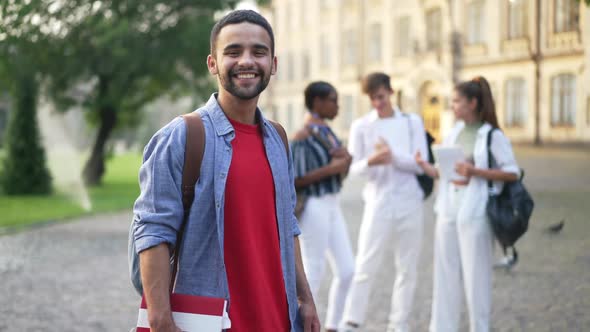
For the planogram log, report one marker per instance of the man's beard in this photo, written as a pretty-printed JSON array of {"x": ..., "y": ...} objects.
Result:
[{"x": 240, "y": 92}]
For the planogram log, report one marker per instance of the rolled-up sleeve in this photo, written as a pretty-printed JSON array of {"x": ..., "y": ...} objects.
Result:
[
  {"x": 158, "y": 211},
  {"x": 503, "y": 154}
]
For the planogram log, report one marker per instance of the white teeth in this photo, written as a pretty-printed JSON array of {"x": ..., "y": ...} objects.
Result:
[{"x": 246, "y": 75}]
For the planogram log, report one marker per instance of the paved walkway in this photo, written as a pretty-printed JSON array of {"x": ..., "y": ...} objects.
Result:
[{"x": 73, "y": 276}]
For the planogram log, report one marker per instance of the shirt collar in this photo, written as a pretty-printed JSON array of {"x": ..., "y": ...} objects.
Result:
[
  {"x": 222, "y": 125},
  {"x": 373, "y": 116}
]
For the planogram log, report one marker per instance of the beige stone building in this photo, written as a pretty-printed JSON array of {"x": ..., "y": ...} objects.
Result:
[{"x": 533, "y": 52}]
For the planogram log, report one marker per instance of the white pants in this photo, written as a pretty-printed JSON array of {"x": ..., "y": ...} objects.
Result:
[
  {"x": 462, "y": 262},
  {"x": 375, "y": 234},
  {"x": 324, "y": 236}
]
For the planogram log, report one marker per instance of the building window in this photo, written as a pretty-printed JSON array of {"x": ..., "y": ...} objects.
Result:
[
  {"x": 290, "y": 118},
  {"x": 475, "y": 22},
  {"x": 517, "y": 19},
  {"x": 288, "y": 16},
  {"x": 302, "y": 17},
  {"x": 350, "y": 3},
  {"x": 563, "y": 100},
  {"x": 350, "y": 47},
  {"x": 305, "y": 66},
  {"x": 271, "y": 112},
  {"x": 433, "y": 29},
  {"x": 325, "y": 55},
  {"x": 375, "y": 42},
  {"x": 403, "y": 41},
  {"x": 516, "y": 103},
  {"x": 566, "y": 15},
  {"x": 348, "y": 114},
  {"x": 282, "y": 63},
  {"x": 290, "y": 67}
]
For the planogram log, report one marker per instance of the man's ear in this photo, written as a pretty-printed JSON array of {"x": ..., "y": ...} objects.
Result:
[
  {"x": 274, "y": 65},
  {"x": 212, "y": 65}
]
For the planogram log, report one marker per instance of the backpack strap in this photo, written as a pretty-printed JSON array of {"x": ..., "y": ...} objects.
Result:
[
  {"x": 193, "y": 158},
  {"x": 490, "y": 156},
  {"x": 283, "y": 135}
]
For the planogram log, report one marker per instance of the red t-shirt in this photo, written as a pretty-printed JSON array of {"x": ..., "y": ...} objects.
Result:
[{"x": 258, "y": 301}]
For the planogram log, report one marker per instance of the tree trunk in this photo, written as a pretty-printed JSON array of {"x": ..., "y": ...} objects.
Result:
[{"x": 94, "y": 168}]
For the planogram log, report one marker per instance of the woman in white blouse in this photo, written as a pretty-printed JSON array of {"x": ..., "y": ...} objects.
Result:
[{"x": 463, "y": 238}]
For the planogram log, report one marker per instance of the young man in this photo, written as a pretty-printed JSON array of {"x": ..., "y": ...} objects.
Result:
[
  {"x": 383, "y": 144},
  {"x": 240, "y": 241}
]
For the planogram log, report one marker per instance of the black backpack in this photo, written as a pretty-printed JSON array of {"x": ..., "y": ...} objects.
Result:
[
  {"x": 425, "y": 181},
  {"x": 509, "y": 211}
]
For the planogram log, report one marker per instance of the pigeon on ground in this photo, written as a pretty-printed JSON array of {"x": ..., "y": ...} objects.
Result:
[{"x": 555, "y": 228}]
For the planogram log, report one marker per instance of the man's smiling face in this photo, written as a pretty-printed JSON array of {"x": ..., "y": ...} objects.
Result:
[{"x": 243, "y": 61}]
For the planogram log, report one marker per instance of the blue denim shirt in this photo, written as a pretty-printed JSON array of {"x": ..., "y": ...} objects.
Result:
[{"x": 158, "y": 212}]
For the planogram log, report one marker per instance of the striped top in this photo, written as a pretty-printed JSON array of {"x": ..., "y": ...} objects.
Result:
[{"x": 312, "y": 153}]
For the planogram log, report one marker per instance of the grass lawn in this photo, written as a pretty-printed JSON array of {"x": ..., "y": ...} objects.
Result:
[{"x": 118, "y": 191}]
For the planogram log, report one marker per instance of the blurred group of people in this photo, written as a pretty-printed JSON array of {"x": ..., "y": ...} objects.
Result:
[{"x": 389, "y": 148}]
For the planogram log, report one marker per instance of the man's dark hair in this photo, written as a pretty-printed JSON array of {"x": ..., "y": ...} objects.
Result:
[
  {"x": 317, "y": 89},
  {"x": 237, "y": 17},
  {"x": 372, "y": 82}
]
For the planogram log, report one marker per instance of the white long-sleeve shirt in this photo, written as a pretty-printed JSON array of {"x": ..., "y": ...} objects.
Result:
[{"x": 390, "y": 188}]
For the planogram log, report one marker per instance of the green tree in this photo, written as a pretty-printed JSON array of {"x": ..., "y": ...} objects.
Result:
[
  {"x": 115, "y": 56},
  {"x": 112, "y": 57},
  {"x": 24, "y": 170},
  {"x": 21, "y": 61}
]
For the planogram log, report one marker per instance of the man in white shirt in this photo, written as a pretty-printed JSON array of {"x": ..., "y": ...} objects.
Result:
[{"x": 383, "y": 144}]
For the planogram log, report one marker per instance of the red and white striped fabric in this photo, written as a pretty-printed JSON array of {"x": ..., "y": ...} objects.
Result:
[{"x": 191, "y": 313}]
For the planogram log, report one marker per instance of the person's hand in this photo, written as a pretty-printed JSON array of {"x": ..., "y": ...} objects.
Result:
[
  {"x": 382, "y": 154},
  {"x": 163, "y": 323},
  {"x": 309, "y": 316},
  {"x": 340, "y": 165},
  {"x": 464, "y": 169},
  {"x": 343, "y": 154},
  {"x": 340, "y": 152},
  {"x": 419, "y": 160}
]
